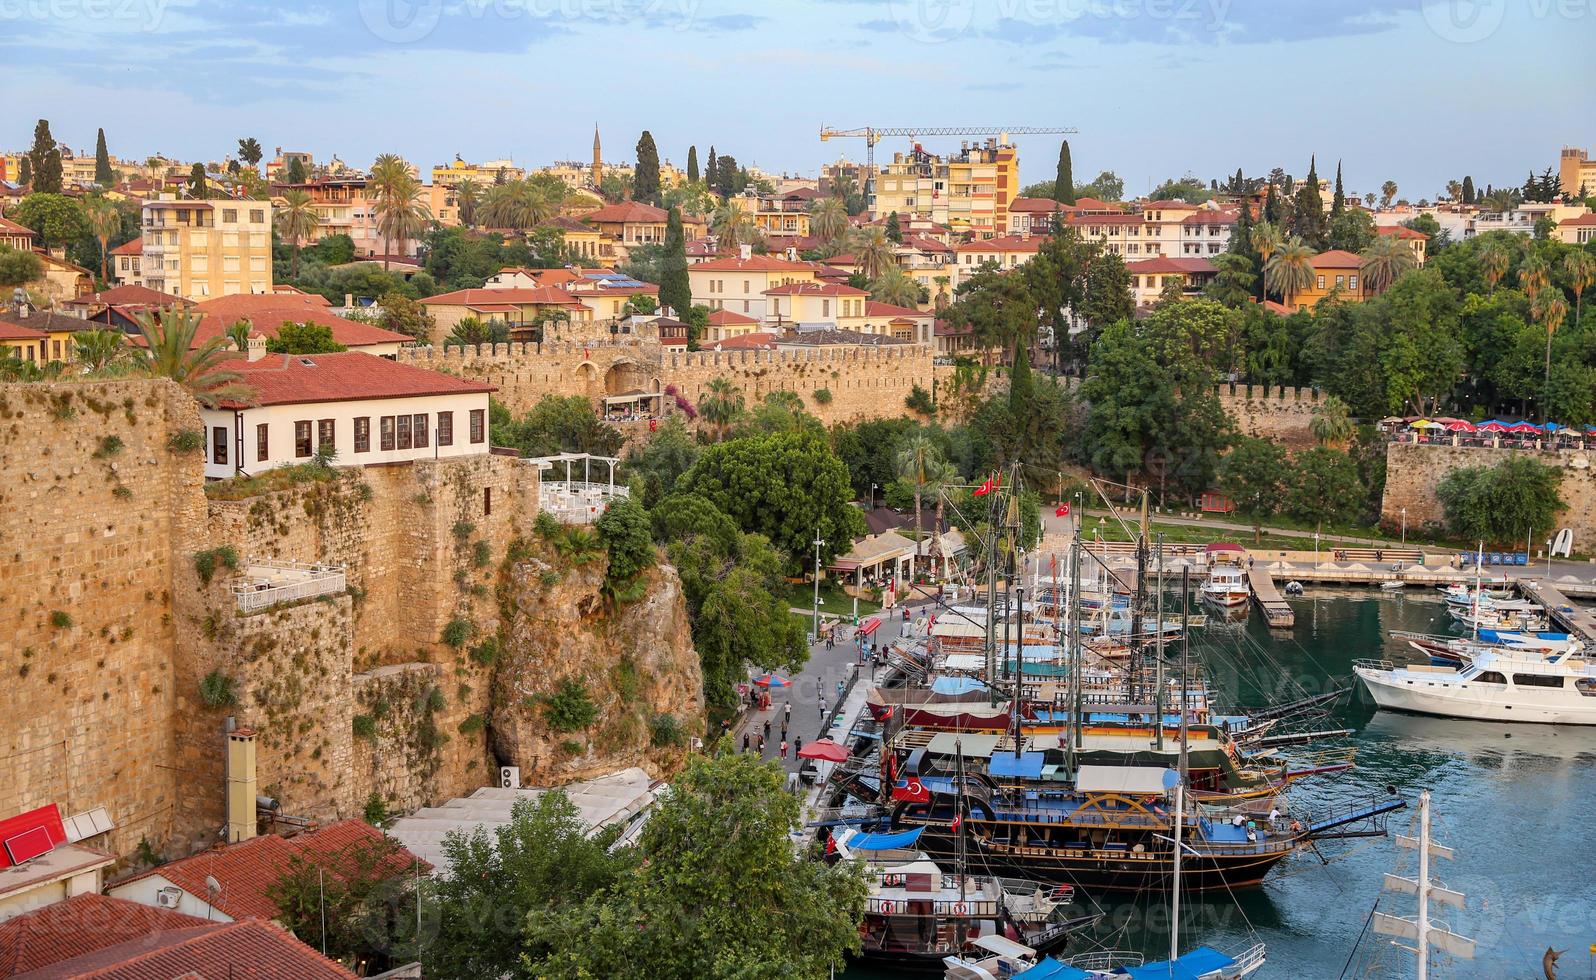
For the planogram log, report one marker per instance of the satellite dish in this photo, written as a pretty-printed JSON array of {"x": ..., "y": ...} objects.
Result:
[
  {"x": 212, "y": 885},
  {"x": 1171, "y": 779}
]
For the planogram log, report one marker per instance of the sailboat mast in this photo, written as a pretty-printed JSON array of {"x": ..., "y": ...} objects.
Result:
[
  {"x": 991, "y": 601},
  {"x": 958, "y": 815},
  {"x": 1185, "y": 652},
  {"x": 1174, "y": 901},
  {"x": 1077, "y": 656},
  {"x": 1158, "y": 667},
  {"x": 1423, "y": 943}
]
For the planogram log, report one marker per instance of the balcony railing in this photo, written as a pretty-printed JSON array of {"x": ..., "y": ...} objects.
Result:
[{"x": 269, "y": 582}]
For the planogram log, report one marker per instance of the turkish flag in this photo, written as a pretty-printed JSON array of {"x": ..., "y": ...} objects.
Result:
[
  {"x": 911, "y": 790},
  {"x": 1063, "y": 510},
  {"x": 958, "y": 821},
  {"x": 985, "y": 488}
]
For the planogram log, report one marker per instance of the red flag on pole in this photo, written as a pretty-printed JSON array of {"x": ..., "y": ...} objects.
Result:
[
  {"x": 911, "y": 790},
  {"x": 985, "y": 488},
  {"x": 958, "y": 819},
  {"x": 1063, "y": 510}
]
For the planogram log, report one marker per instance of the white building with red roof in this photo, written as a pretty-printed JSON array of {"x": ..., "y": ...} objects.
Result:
[
  {"x": 522, "y": 307},
  {"x": 815, "y": 302},
  {"x": 739, "y": 282},
  {"x": 1150, "y": 277},
  {"x": 13, "y": 235},
  {"x": 726, "y": 324},
  {"x": 363, "y": 408},
  {"x": 901, "y": 322},
  {"x": 1006, "y": 252},
  {"x": 127, "y": 263}
]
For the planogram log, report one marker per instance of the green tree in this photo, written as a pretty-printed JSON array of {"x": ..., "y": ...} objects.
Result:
[
  {"x": 105, "y": 223},
  {"x": 199, "y": 188},
  {"x": 1324, "y": 487},
  {"x": 304, "y": 338},
  {"x": 554, "y": 425},
  {"x": 98, "y": 351},
  {"x": 1352, "y": 230},
  {"x": 692, "y": 164},
  {"x": 18, "y": 268},
  {"x": 1331, "y": 424},
  {"x": 1502, "y": 504},
  {"x": 828, "y": 220},
  {"x": 296, "y": 220},
  {"x": 732, "y": 226},
  {"x": 58, "y": 220},
  {"x": 645, "y": 172},
  {"x": 102, "y": 162},
  {"x": 250, "y": 152},
  {"x": 396, "y": 202},
  {"x": 721, "y": 405},
  {"x": 712, "y": 170},
  {"x": 919, "y": 462},
  {"x": 44, "y": 160},
  {"x": 1468, "y": 190},
  {"x": 653, "y": 468},
  {"x": 401, "y": 314},
  {"x": 1251, "y": 475},
  {"x": 1290, "y": 270},
  {"x": 894, "y": 228},
  {"x": 895, "y": 287},
  {"x": 788, "y": 487},
  {"x": 1307, "y": 213},
  {"x": 1580, "y": 269},
  {"x": 523, "y": 204},
  {"x": 872, "y": 251},
  {"x": 1064, "y": 181},
  {"x": 624, "y": 530},
  {"x": 675, "y": 291},
  {"x": 1385, "y": 259},
  {"x": 1233, "y": 283},
  {"x": 170, "y": 350},
  {"x": 356, "y": 904}
]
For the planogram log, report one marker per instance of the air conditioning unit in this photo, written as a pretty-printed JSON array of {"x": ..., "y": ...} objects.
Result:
[
  {"x": 509, "y": 777},
  {"x": 168, "y": 897}
]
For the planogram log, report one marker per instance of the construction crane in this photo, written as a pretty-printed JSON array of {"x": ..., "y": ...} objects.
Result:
[{"x": 872, "y": 135}]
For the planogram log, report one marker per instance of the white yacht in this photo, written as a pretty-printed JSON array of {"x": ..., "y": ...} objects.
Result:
[
  {"x": 1496, "y": 684},
  {"x": 1226, "y": 585}
]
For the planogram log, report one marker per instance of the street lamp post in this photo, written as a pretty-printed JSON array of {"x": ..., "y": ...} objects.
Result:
[
  {"x": 1404, "y": 527},
  {"x": 1316, "y": 551},
  {"x": 1548, "y": 561},
  {"x": 818, "y": 543}
]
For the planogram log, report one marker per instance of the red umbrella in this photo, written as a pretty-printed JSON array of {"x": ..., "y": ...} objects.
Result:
[
  {"x": 1460, "y": 426},
  {"x": 1524, "y": 427},
  {"x": 1493, "y": 426},
  {"x": 824, "y": 749}
]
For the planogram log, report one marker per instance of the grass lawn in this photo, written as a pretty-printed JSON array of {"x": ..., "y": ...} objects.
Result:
[{"x": 801, "y": 595}]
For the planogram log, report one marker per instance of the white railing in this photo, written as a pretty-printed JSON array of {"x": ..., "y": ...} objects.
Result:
[
  {"x": 272, "y": 581},
  {"x": 576, "y": 502}
]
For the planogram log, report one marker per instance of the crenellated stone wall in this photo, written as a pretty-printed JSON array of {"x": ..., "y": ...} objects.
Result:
[
  {"x": 1414, "y": 471},
  {"x": 1273, "y": 412}
]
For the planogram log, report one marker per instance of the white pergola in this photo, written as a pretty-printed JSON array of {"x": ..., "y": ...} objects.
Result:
[{"x": 571, "y": 500}]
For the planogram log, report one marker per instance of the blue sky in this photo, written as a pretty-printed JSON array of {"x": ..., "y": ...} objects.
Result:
[{"x": 1418, "y": 91}]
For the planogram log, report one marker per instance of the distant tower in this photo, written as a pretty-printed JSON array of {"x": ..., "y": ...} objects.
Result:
[{"x": 598, "y": 160}]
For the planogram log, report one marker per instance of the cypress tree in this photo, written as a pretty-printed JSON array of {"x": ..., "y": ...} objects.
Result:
[
  {"x": 102, "y": 162},
  {"x": 711, "y": 174},
  {"x": 1272, "y": 207},
  {"x": 296, "y": 171},
  {"x": 198, "y": 189},
  {"x": 25, "y": 170},
  {"x": 674, "y": 289},
  {"x": 894, "y": 228},
  {"x": 1020, "y": 389},
  {"x": 45, "y": 160},
  {"x": 692, "y": 164},
  {"x": 1468, "y": 190},
  {"x": 1307, "y": 219},
  {"x": 1064, "y": 182},
  {"x": 645, "y": 173},
  {"x": 726, "y": 175},
  {"x": 1339, "y": 205}
]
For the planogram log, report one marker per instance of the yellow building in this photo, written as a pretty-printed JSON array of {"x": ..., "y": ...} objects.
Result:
[
  {"x": 38, "y": 336},
  {"x": 970, "y": 191},
  {"x": 785, "y": 214},
  {"x": 202, "y": 249},
  {"x": 451, "y": 174},
  {"x": 1336, "y": 271},
  {"x": 523, "y": 309},
  {"x": 1577, "y": 172},
  {"x": 817, "y": 302},
  {"x": 1418, "y": 241}
]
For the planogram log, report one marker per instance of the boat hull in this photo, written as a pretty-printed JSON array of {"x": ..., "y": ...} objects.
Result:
[{"x": 1552, "y": 707}]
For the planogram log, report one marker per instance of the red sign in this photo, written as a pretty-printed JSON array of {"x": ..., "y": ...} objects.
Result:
[
  {"x": 28, "y": 832},
  {"x": 28, "y": 845},
  {"x": 911, "y": 790}
]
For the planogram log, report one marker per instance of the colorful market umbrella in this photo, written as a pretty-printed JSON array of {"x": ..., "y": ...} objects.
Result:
[
  {"x": 772, "y": 681},
  {"x": 1524, "y": 427},
  {"x": 1491, "y": 425},
  {"x": 825, "y": 750},
  {"x": 1460, "y": 426}
]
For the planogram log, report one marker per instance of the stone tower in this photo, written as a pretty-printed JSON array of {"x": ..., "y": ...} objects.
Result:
[{"x": 598, "y": 160}]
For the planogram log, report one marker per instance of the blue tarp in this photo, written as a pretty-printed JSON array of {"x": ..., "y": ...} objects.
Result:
[
  {"x": 1051, "y": 969},
  {"x": 1027, "y": 766},
  {"x": 1190, "y": 966},
  {"x": 884, "y": 842},
  {"x": 956, "y": 685}
]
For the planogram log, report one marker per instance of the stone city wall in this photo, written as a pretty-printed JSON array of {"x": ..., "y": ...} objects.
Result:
[{"x": 1413, "y": 472}]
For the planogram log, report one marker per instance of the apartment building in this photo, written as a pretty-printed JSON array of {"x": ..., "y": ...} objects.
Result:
[
  {"x": 969, "y": 191},
  {"x": 740, "y": 283},
  {"x": 1006, "y": 253},
  {"x": 201, "y": 249},
  {"x": 1577, "y": 172},
  {"x": 1172, "y": 229},
  {"x": 487, "y": 172}
]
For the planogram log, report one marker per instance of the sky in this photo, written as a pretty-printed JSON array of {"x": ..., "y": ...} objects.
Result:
[{"x": 1419, "y": 91}]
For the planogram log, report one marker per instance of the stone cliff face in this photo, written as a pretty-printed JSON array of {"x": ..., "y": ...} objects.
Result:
[{"x": 629, "y": 672}]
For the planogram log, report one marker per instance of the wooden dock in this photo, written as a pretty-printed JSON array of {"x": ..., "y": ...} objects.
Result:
[
  {"x": 1268, "y": 598},
  {"x": 1577, "y": 622}
]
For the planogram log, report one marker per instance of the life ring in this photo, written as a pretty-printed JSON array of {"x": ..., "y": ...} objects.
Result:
[
  {"x": 959, "y": 908},
  {"x": 887, "y": 908}
]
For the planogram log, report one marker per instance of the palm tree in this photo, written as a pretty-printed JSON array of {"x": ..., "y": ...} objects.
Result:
[
  {"x": 1550, "y": 309},
  {"x": 170, "y": 351},
  {"x": 1454, "y": 189},
  {"x": 104, "y": 221},
  {"x": 1533, "y": 275},
  {"x": 296, "y": 220},
  {"x": 721, "y": 405},
  {"x": 1495, "y": 259},
  {"x": 401, "y": 215},
  {"x": 1332, "y": 425},
  {"x": 732, "y": 226},
  {"x": 896, "y": 288},
  {"x": 97, "y": 350},
  {"x": 1266, "y": 241},
  {"x": 1388, "y": 193},
  {"x": 944, "y": 474},
  {"x": 466, "y": 198},
  {"x": 1290, "y": 270},
  {"x": 520, "y": 204},
  {"x": 1386, "y": 258},
  {"x": 1580, "y": 267},
  {"x": 872, "y": 251},
  {"x": 942, "y": 290},
  {"x": 918, "y": 461},
  {"x": 828, "y": 220},
  {"x": 469, "y": 332},
  {"x": 1369, "y": 200},
  {"x": 238, "y": 333}
]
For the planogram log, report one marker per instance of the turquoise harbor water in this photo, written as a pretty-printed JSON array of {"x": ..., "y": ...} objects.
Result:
[{"x": 1517, "y": 802}]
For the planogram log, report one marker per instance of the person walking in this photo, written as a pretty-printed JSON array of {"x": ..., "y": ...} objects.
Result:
[
  {"x": 745, "y": 741},
  {"x": 797, "y": 745},
  {"x": 786, "y": 711},
  {"x": 784, "y": 750},
  {"x": 841, "y": 687},
  {"x": 822, "y": 707},
  {"x": 784, "y": 731},
  {"x": 761, "y": 746},
  {"x": 767, "y": 728}
]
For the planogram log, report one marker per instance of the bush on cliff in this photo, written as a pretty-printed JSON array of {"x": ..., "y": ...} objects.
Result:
[{"x": 1500, "y": 504}]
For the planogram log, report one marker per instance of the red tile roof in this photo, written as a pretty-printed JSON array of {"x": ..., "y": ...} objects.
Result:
[
  {"x": 1005, "y": 243},
  {"x": 1211, "y": 218},
  {"x": 1117, "y": 218},
  {"x": 1036, "y": 205},
  {"x": 315, "y": 299},
  {"x": 926, "y": 244},
  {"x": 1169, "y": 205},
  {"x": 1337, "y": 258},
  {"x": 249, "y": 950},
  {"x": 627, "y": 212},
  {"x": 296, "y": 379},
  {"x": 748, "y": 341},
  {"x": 873, "y": 308},
  {"x": 268, "y": 311},
  {"x": 13, "y": 331},
  {"x": 816, "y": 289},
  {"x": 1402, "y": 231},
  {"x": 1164, "y": 264},
  {"x": 134, "y": 247},
  {"x": 131, "y": 295},
  {"x": 1583, "y": 221},
  {"x": 247, "y": 869},
  {"x": 524, "y": 296},
  {"x": 567, "y": 223},
  {"x": 1093, "y": 204},
  {"x": 754, "y": 263},
  {"x": 723, "y": 318},
  {"x": 80, "y": 925},
  {"x": 12, "y": 228}
]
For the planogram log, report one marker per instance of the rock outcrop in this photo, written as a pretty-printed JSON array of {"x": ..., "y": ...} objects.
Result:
[{"x": 633, "y": 663}]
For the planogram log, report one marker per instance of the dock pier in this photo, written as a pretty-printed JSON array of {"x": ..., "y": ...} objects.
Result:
[
  {"x": 1575, "y": 621},
  {"x": 1270, "y": 602}
]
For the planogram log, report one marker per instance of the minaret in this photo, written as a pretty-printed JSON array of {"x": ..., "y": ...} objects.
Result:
[{"x": 598, "y": 160}]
